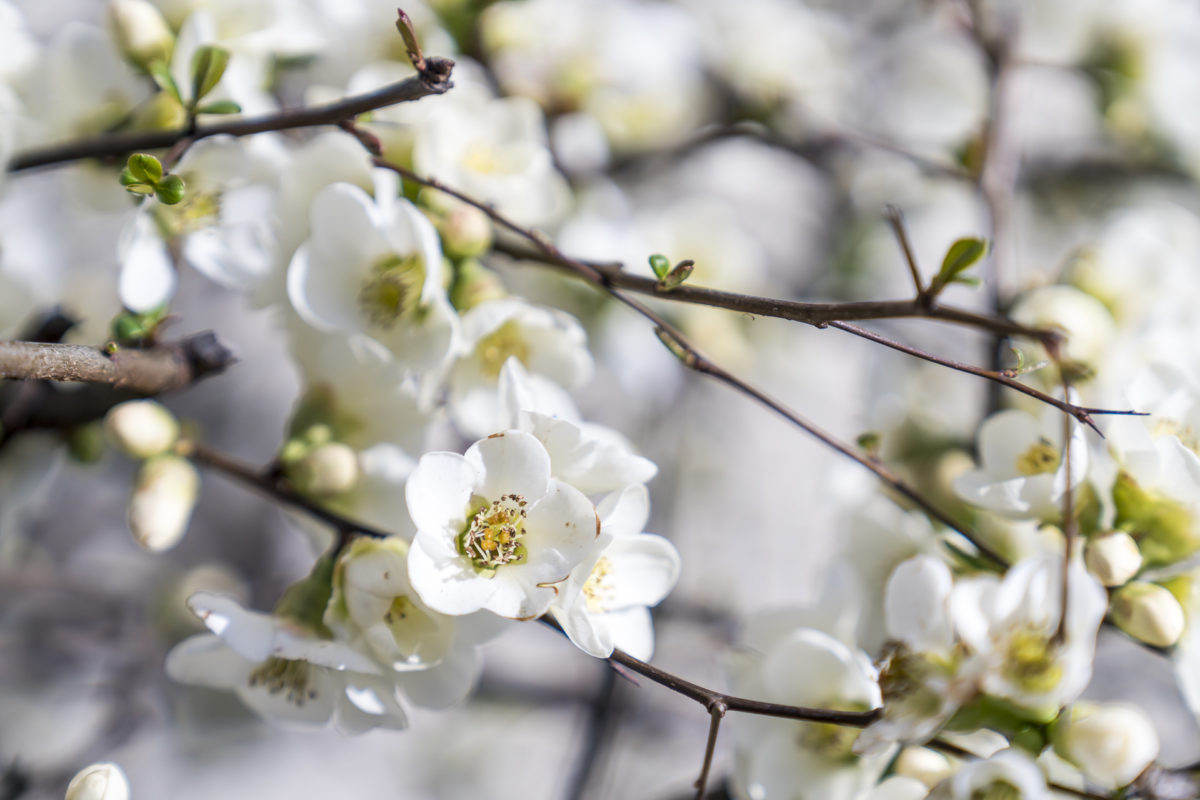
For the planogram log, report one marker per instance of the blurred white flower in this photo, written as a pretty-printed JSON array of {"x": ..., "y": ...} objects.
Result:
[
  {"x": 549, "y": 343},
  {"x": 803, "y": 760},
  {"x": 1009, "y": 774},
  {"x": 374, "y": 268},
  {"x": 161, "y": 504},
  {"x": 1023, "y": 471},
  {"x": 141, "y": 428},
  {"x": 494, "y": 530}
]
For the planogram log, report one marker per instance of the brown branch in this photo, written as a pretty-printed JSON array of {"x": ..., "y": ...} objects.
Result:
[
  {"x": 817, "y": 314},
  {"x": 148, "y": 372},
  {"x": 717, "y": 712},
  {"x": 690, "y": 356},
  {"x": 435, "y": 79}
]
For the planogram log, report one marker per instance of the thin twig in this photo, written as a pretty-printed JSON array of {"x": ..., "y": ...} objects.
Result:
[
  {"x": 717, "y": 712},
  {"x": 597, "y": 729},
  {"x": 276, "y": 490},
  {"x": 434, "y": 80},
  {"x": 896, "y": 220},
  {"x": 691, "y": 357}
]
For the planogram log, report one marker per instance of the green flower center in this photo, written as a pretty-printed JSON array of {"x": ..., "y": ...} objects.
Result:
[
  {"x": 1039, "y": 459},
  {"x": 392, "y": 291},
  {"x": 493, "y": 537},
  {"x": 997, "y": 790},
  {"x": 1030, "y": 662},
  {"x": 498, "y": 346},
  {"x": 832, "y": 742},
  {"x": 280, "y": 674}
]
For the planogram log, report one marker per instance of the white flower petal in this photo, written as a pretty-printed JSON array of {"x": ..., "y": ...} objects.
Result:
[
  {"x": 513, "y": 462},
  {"x": 439, "y": 490}
]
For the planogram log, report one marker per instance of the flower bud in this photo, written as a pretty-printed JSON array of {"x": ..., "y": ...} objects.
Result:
[
  {"x": 1089, "y": 326},
  {"x": 142, "y": 428},
  {"x": 103, "y": 781},
  {"x": 927, "y": 766},
  {"x": 1112, "y": 743},
  {"x": 466, "y": 231},
  {"x": 1113, "y": 558},
  {"x": 141, "y": 33},
  {"x": 475, "y": 284},
  {"x": 327, "y": 470},
  {"x": 1148, "y": 612},
  {"x": 162, "y": 502}
]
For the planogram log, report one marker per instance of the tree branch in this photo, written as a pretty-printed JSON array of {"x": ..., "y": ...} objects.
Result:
[
  {"x": 147, "y": 372},
  {"x": 434, "y": 79}
]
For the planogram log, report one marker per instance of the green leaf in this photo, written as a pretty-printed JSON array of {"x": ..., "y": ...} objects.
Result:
[
  {"x": 208, "y": 65},
  {"x": 678, "y": 275},
  {"x": 960, "y": 257},
  {"x": 660, "y": 264},
  {"x": 219, "y": 107},
  {"x": 146, "y": 168},
  {"x": 170, "y": 190},
  {"x": 162, "y": 76},
  {"x": 128, "y": 178},
  {"x": 139, "y": 188}
]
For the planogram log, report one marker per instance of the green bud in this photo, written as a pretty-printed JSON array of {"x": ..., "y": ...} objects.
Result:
[
  {"x": 474, "y": 284},
  {"x": 85, "y": 443},
  {"x": 676, "y": 277},
  {"x": 145, "y": 167},
  {"x": 326, "y": 471},
  {"x": 1164, "y": 529},
  {"x": 660, "y": 264},
  {"x": 170, "y": 190},
  {"x": 961, "y": 256},
  {"x": 208, "y": 65}
]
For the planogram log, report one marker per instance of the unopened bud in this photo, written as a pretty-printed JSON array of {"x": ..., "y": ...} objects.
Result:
[
  {"x": 1148, "y": 613},
  {"x": 1112, "y": 743},
  {"x": 927, "y": 766},
  {"x": 475, "y": 284},
  {"x": 142, "y": 428},
  {"x": 162, "y": 502},
  {"x": 103, "y": 781},
  {"x": 1088, "y": 325},
  {"x": 1113, "y": 558},
  {"x": 328, "y": 470},
  {"x": 466, "y": 231},
  {"x": 141, "y": 33}
]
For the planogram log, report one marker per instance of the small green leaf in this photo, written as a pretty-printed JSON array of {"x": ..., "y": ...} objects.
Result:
[
  {"x": 960, "y": 257},
  {"x": 170, "y": 190},
  {"x": 208, "y": 65},
  {"x": 145, "y": 167},
  {"x": 968, "y": 280},
  {"x": 128, "y": 178},
  {"x": 660, "y": 264},
  {"x": 677, "y": 276},
  {"x": 139, "y": 188},
  {"x": 869, "y": 441},
  {"x": 162, "y": 76},
  {"x": 219, "y": 107}
]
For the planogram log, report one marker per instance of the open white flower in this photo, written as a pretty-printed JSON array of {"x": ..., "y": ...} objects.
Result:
[
  {"x": 494, "y": 530},
  {"x": 606, "y": 601},
  {"x": 374, "y": 268},
  {"x": 1023, "y": 471},
  {"x": 550, "y": 344},
  {"x": 283, "y": 671}
]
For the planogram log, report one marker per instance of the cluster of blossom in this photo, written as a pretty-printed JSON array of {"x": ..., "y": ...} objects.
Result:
[{"x": 436, "y": 404}]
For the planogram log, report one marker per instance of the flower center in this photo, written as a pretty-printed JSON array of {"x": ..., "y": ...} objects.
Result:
[
  {"x": 280, "y": 674},
  {"x": 499, "y": 345},
  {"x": 829, "y": 741},
  {"x": 493, "y": 538},
  {"x": 417, "y": 634},
  {"x": 393, "y": 290},
  {"x": 596, "y": 591},
  {"x": 997, "y": 790},
  {"x": 1030, "y": 662},
  {"x": 1039, "y": 459}
]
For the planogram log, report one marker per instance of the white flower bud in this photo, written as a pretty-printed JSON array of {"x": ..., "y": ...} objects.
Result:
[
  {"x": 1149, "y": 613},
  {"x": 466, "y": 231},
  {"x": 103, "y": 781},
  {"x": 1088, "y": 324},
  {"x": 1112, "y": 743},
  {"x": 328, "y": 470},
  {"x": 162, "y": 502},
  {"x": 1113, "y": 558},
  {"x": 141, "y": 33},
  {"x": 927, "y": 766},
  {"x": 141, "y": 428}
]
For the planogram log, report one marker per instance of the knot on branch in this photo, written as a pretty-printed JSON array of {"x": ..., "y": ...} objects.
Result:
[
  {"x": 205, "y": 355},
  {"x": 436, "y": 75}
]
